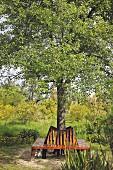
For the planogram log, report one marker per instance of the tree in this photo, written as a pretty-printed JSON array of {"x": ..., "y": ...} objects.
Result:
[
  {"x": 78, "y": 111},
  {"x": 26, "y": 111},
  {"x": 10, "y": 94},
  {"x": 64, "y": 42}
]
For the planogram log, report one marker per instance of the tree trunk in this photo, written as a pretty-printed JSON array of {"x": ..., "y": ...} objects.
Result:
[{"x": 61, "y": 103}]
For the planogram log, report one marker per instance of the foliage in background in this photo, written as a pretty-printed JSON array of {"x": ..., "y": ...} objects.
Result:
[
  {"x": 32, "y": 111},
  {"x": 48, "y": 109},
  {"x": 26, "y": 111},
  {"x": 78, "y": 111},
  {"x": 6, "y": 111},
  {"x": 108, "y": 129},
  {"x": 10, "y": 94}
]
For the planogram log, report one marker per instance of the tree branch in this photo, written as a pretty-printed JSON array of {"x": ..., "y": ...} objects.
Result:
[{"x": 91, "y": 12}]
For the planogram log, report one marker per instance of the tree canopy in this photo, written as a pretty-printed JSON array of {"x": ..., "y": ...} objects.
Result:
[{"x": 65, "y": 42}]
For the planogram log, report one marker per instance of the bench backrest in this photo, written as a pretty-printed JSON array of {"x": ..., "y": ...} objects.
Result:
[{"x": 61, "y": 137}]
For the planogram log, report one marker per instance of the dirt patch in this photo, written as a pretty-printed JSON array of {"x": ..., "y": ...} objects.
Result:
[
  {"x": 51, "y": 162},
  {"x": 22, "y": 157}
]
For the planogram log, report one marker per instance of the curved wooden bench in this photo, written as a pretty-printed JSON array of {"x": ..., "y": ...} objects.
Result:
[{"x": 59, "y": 140}]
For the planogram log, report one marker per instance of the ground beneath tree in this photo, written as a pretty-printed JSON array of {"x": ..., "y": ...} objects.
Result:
[{"x": 22, "y": 157}]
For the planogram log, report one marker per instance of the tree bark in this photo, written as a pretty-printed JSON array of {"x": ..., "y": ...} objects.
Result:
[{"x": 61, "y": 105}]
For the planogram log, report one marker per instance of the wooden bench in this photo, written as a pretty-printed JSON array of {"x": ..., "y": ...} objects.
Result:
[{"x": 59, "y": 140}]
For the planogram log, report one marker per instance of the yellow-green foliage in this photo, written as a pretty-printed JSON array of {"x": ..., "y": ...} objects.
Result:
[
  {"x": 97, "y": 107},
  {"x": 30, "y": 111},
  {"x": 11, "y": 95},
  {"x": 1, "y": 109},
  {"x": 26, "y": 111},
  {"x": 6, "y": 112},
  {"x": 78, "y": 112},
  {"x": 48, "y": 108}
]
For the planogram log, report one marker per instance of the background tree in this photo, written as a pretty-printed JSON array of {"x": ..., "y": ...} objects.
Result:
[
  {"x": 78, "y": 111},
  {"x": 10, "y": 94},
  {"x": 63, "y": 42}
]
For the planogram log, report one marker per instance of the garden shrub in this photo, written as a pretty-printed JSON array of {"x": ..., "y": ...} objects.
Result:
[
  {"x": 28, "y": 135},
  {"x": 8, "y": 141}
]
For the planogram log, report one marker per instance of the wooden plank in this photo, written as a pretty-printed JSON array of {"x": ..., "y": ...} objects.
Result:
[
  {"x": 54, "y": 137},
  {"x": 65, "y": 139},
  {"x": 39, "y": 141},
  {"x": 62, "y": 147},
  {"x": 60, "y": 137},
  {"x": 70, "y": 137},
  {"x": 47, "y": 140},
  {"x": 58, "y": 141},
  {"x": 50, "y": 138}
]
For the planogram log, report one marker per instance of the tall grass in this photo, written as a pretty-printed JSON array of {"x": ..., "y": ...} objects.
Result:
[{"x": 82, "y": 161}]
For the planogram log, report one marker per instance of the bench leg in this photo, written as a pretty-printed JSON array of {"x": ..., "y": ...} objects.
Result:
[
  {"x": 44, "y": 153},
  {"x": 58, "y": 152},
  {"x": 62, "y": 151},
  {"x": 33, "y": 151},
  {"x": 78, "y": 151}
]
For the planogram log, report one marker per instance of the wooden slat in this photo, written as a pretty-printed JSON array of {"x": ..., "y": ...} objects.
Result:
[
  {"x": 47, "y": 140},
  {"x": 54, "y": 137},
  {"x": 60, "y": 137},
  {"x": 67, "y": 136},
  {"x": 70, "y": 137},
  {"x": 65, "y": 139},
  {"x": 50, "y": 138}
]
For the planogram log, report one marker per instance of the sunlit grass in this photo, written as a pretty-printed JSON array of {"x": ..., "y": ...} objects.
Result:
[{"x": 16, "y": 167}]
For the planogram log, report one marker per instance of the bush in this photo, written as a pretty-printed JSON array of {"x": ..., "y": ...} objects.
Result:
[
  {"x": 8, "y": 141},
  {"x": 28, "y": 135},
  {"x": 82, "y": 161}
]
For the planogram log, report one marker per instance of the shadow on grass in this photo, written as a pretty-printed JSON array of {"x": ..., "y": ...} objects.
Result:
[{"x": 8, "y": 155}]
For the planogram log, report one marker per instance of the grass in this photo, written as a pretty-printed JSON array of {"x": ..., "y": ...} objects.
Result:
[
  {"x": 15, "y": 167},
  {"x": 14, "y": 127},
  {"x": 96, "y": 146},
  {"x": 10, "y": 156}
]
